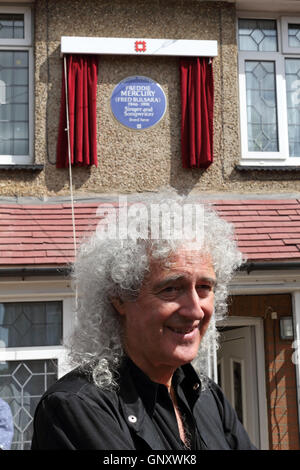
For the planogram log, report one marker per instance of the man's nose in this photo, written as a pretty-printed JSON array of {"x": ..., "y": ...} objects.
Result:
[{"x": 192, "y": 305}]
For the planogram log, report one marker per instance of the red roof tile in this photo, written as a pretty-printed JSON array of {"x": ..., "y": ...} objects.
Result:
[
  {"x": 43, "y": 233},
  {"x": 265, "y": 229}
]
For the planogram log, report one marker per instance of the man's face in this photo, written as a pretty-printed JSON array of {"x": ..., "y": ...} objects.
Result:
[{"x": 163, "y": 327}]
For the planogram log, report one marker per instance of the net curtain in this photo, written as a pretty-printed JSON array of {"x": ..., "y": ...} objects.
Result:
[
  {"x": 197, "y": 103},
  {"x": 82, "y": 74}
]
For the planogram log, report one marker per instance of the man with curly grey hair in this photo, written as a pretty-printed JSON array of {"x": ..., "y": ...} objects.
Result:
[{"x": 151, "y": 284}]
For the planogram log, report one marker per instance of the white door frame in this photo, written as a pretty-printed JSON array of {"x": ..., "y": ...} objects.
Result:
[
  {"x": 257, "y": 323},
  {"x": 274, "y": 282}
]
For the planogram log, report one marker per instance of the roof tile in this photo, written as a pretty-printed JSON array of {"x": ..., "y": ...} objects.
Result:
[
  {"x": 253, "y": 236},
  {"x": 274, "y": 256},
  {"x": 24, "y": 254},
  {"x": 291, "y": 241},
  {"x": 248, "y": 242},
  {"x": 287, "y": 212},
  {"x": 269, "y": 249},
  {"x": 43, "y": 233},
  {"x": 249, "y": 202}
]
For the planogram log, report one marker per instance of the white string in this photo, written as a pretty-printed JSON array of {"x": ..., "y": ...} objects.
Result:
[
  {"x": 70, "y": 174},
  {"x": 69, "y": 156}
]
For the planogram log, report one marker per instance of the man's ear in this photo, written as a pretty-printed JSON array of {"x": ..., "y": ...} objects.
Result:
[{"x": 119, "y": 305}]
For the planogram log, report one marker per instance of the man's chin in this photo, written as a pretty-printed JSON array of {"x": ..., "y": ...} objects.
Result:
[{"x": 185, "y": 357}]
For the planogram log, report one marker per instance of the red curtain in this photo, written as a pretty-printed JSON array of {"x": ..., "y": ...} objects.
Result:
[
  {"x": 197, "y": 105},
  {"x": 82, "y": 72}
]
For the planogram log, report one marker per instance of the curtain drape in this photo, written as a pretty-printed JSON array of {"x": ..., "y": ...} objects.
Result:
[
  {"x": 197, "y": 106},
  {"x": 82, "y": 73}
]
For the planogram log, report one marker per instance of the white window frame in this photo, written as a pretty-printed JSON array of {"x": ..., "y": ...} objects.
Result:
[
  {"x": 280, "y": 158},
  {"x": 56, "y": 352},
  {"x": 285, "y": 20},
  {"x": 27, "y": 40},
  {"x": 35, "y": 292},
  {"x": 22, "y": 45}
]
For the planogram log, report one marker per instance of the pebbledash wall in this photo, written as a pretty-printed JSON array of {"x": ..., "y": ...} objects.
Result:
[
  {"x": 128, "y": 160},
  {"x": 138, "y": 161}
]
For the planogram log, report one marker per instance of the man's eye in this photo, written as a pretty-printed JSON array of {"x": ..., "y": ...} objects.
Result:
[
  {"x": 170, "y": 289},
  {"x": 204, "y": 287}
]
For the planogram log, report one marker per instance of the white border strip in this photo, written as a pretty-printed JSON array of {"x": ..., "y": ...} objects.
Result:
[
  {"x": 296, "y": 320},
  {"x": 138, "y": 46}
]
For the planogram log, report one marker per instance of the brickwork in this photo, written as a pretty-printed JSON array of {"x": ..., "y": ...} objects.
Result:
[{"x": 280, "y": 370}]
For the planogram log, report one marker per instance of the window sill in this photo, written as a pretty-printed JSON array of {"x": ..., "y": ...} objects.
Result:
[
  {"x": 267, "y": 168},
  {"x": 22, "y": 167}
]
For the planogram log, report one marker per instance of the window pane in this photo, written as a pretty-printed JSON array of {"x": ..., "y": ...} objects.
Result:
[
  {"x": 5, "y": 112},
  {"x": 20, "y": 111},
  {"x": 30, "y": 324},
  {"x": 261, "y": 106},
  {"x": 6, "y": 74},
  {"x": 6, "y": 59},
  {"x": 17, "y": 94},
  {"x": 14, "y": 123},
  {"x": 20, "y": 130},
  {"x": 11, "y": 26},
  {"x": 20, "y": 59},
  {"x": 294, "y": 35},
  {"x": 20, "y": 77},
  {"x": 20, "y": 147},
  {"x": 5, "y": 131},
  {"x": 257, "y": 35},
  {"x": 12, "y": 112},
  {"x": 292, "y": 72},
  {"x": 21, "y": 385},
  {"x": 5, "y": 147}
]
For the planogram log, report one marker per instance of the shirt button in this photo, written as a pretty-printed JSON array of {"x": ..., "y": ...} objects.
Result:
[
  {"x": 196, "y": 386},
  {"x": 132, "y": 419}
]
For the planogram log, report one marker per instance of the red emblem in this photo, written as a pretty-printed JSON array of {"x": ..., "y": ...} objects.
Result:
[{"x": 140, "y": 46}]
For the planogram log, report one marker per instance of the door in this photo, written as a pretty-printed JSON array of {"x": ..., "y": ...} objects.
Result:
[{"x": 237, "y": 376}]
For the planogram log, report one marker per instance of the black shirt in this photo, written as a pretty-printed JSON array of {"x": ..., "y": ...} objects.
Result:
[
  {"x": 159, "y": 406},
  {"x": 76, "y": 414}
]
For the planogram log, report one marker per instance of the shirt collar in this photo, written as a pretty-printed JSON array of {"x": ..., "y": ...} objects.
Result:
[
  {"x": 184, "y": 376},
  {"x": 146, "y": 388}
]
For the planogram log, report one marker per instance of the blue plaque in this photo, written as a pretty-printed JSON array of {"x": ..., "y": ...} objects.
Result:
[{"x": 138, "y": 102}]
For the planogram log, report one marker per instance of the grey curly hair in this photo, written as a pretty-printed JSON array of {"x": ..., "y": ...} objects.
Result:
[{"x": 107, "y": 268}]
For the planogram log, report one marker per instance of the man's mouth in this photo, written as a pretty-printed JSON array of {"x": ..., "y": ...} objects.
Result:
[{"x": 182, "y": 330}]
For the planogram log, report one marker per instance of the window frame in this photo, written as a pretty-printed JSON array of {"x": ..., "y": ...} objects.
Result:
[
  {"x": 265, "y": 159},
  {"x": 56, "y": 352},
  {"x": 22, "y": 45},
  {"x": 27, "y": 40},
  {"x": 286, "y": 49},
  {"x": 42, "y": 289}
]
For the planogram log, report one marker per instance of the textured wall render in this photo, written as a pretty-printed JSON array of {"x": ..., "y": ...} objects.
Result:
[{"x": 132, "y": 161}]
